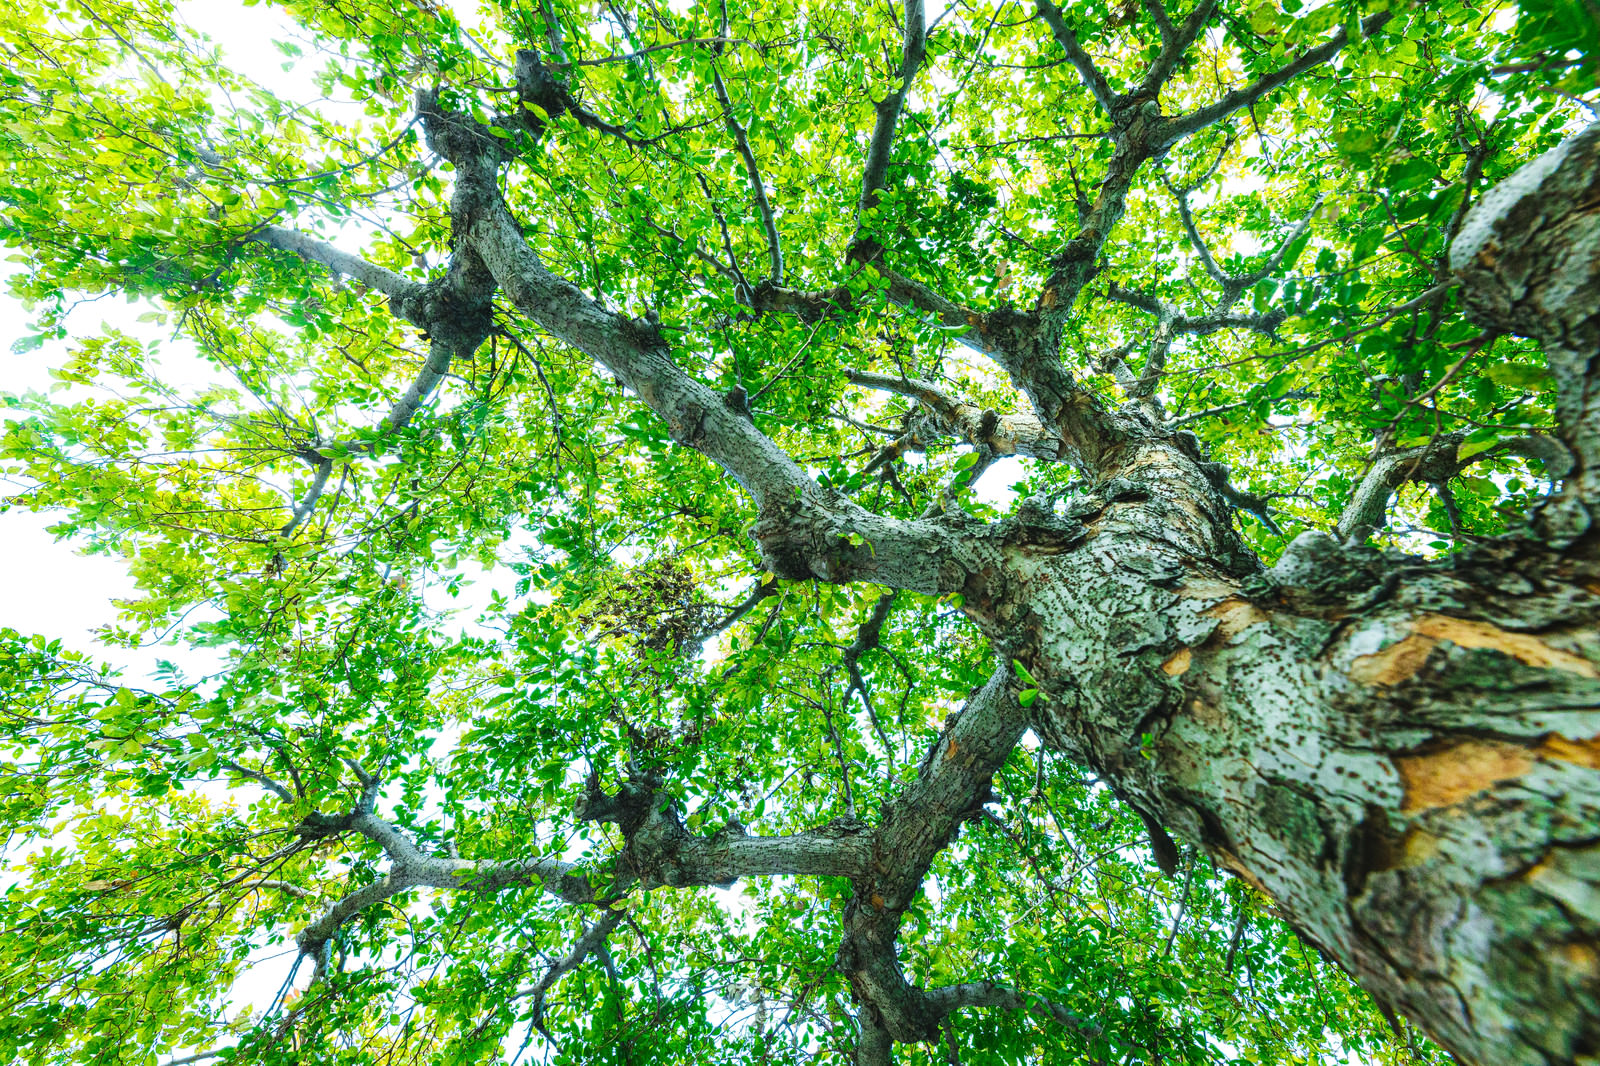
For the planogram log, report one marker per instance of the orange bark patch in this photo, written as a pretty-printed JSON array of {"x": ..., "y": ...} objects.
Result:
[
  {"x": 1178, "y": 664},
  {"x": 1234, "y": 616},
  {"x": 1393, "y": 664},
  {"x": 1417, "y": 847},
  {"x": 1581, "y": 751},
  {"x": 1234, "y": 863},
  {"x": 1446, "y": 777},
  {"x": 1581, "y": 957},
  {"x": 1520, "y": 646}
]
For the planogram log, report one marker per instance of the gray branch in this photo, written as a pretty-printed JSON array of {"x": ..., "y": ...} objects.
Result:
[
  {"x": 659, "y": 852},
  {"x": 1219, "y": 318},
  {"x": 266, "y": 782},
  {"x": 1525, "y": 257},
  {"x": 982, "y": 427},
  {"x": 590, "y": 942},
  {"x": 1435, "y": 462},
  {"x": 308, "y": 502},
  {"x": 372, "y": 276},
  {"x": 951, "y": 786},
  {"x": 992, "y": 994},
  {"x": 1092, "y": 79},
  {"x": 1185, "y": 125},
  {"x": 1175, "y": 41},
  {"x": 1195, "y": 240},
  {"x": 914, "y": 47}
]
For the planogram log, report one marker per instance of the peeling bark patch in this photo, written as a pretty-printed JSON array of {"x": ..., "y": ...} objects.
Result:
[
  {"x": 1394, "y": 664},
  {"x": 1206, "y": 588},
  {"x": 1208, "y": 716},
  {"x": 1520, "y": 646},
  {"x": 1178, "y": 664},
  {"x": 1582, "y": 959},
  {"x": 1418, "y": 846},
  {"x": 1234, "y": 616},
  {"x": 1583, "y": 752},
  {"x": 1445, "y": 777}
]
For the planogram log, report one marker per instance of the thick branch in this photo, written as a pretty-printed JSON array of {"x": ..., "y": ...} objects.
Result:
[
  {"x": 905, "y": 292},
  {"x": 951, "y": 786},
  {"x": 1435, "y": 463},
  {"x": 453, "y": 310},
  {"x": 372, "y": 276},
  {"x": 658, "y": 852},
  {"x": 1527, "y": 263},
  {"x": 1201, "y": 325},
  {"x": 990, "y": 994},
  {"x": 1092, "y": 79},
  {"x": 638, "y": 355},
  {"x": 805, "y": 532},
  {"x": 1175, "y": 41},
  {"x": 979, "y": 426},
  {"x": 914, "y": 47},
  {"x": 591, "y": 941}
]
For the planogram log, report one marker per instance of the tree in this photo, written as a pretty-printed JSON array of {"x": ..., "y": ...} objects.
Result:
[{"x": 695, "y": 328}]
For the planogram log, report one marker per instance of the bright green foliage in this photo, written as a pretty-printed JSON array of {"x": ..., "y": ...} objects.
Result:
[{"x": 150, "y": 870}]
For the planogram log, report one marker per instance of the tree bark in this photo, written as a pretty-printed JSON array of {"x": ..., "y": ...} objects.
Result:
[
  {"x": 1529, "y": 259},
  {"x": 1404, "y": 756}
]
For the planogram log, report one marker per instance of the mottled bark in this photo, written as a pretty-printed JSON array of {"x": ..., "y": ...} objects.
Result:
[
  {"x": 1405, "y": 758},
  {"x": 1528, "y": 256}
]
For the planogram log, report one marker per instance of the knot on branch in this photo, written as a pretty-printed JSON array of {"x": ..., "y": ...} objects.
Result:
[
  {"x": 537, "y": 87},
  {"x": 458, "y": 137},
  {"x": 801, "y": 543},
  {"x": 1316, "y": 568},
  {"x": 810, "y": 307},
  {"x": 627, "y": 808},
  {"x": 461, "y": 315},
  {"x": 863, "y": 250},
  {"x": 648, "y": 819},
  {"x": 320, "y": 826},
  {"x": 1037, "y": 522}
]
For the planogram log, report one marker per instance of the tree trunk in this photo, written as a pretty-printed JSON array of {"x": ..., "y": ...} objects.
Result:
[{"x": 1403, "y": 756}]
